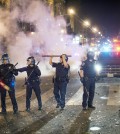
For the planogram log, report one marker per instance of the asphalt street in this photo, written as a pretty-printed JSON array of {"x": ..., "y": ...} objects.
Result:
[{"x": 105, "y": 119}]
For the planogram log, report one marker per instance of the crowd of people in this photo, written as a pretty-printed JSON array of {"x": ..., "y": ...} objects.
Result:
[{"x": 8, "y": 71}]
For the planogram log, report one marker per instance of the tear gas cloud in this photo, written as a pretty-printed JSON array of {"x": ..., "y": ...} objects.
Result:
[{"x": 47, "y": 38}]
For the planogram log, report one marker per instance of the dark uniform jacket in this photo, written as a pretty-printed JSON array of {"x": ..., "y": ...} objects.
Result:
[
  {"x": 32, "y": 72},
  {"x": 7, "y": 72},
  {"x": 88, "y": 67},
  {"x": 61, "y": 71}
]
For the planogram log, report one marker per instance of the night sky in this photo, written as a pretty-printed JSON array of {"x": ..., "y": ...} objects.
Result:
[{"x": 103, "y": 13}]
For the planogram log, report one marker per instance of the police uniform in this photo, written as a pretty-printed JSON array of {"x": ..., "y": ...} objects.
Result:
[
  {"x": 88, "y": 82},
  {"x": 7, "y": 73},
  {"x": 60, "y": 83},
  {"x": 33, "y": 82}
]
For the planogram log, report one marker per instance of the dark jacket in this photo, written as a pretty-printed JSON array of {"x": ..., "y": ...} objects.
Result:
[
  {"x": 7, "y": 72},
  {"x": 32, "y": 72}
]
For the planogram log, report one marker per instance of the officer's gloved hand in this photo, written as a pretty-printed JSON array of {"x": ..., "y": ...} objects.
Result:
[{"x": 15, "y": 72}]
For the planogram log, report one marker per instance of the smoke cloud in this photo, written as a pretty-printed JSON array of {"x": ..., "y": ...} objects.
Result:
[{"x": 46, "y": 39}]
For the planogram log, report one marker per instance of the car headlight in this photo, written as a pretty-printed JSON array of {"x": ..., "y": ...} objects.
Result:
[{"x": 98, "y": 68}]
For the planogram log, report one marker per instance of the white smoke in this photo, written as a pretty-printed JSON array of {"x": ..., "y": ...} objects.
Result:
[{"x": 47, "y": 38}]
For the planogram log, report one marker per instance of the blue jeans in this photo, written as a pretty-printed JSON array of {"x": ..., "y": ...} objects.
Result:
[{"x": 60, "y": 92}]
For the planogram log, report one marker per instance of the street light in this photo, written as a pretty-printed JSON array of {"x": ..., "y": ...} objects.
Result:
[
  {"x": 99, "y": 32},
  {"x": 86, "y": 23},
  {"x": 71, "y": 11},
  {"x": 94, "y": 29}
]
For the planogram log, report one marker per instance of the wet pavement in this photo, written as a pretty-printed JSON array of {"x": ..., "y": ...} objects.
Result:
[{"x": 105, "y": 119}]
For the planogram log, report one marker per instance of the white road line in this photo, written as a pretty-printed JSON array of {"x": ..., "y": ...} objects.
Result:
[
  {"x": 45, "y": 97},
  {"x": 76, "y": 99}
]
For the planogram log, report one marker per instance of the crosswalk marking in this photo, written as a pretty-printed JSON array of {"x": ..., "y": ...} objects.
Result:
[
  {"x": 76, "y": 99},
  {"x": 45, "y": 97}
]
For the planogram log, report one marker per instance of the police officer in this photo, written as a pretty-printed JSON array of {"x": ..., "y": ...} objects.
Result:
[
  {"x": 88, "y": 77},
  {"x": 7, "y": 76},
  {"x": 61, "y": 79},
  {"x": 33, "y": 82}
]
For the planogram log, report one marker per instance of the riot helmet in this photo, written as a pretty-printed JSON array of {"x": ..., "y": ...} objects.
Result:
[
  {"x": 32, "y": 60},
  {"x": 5, "y": 57},
  {"x": 90, "y": 55}
]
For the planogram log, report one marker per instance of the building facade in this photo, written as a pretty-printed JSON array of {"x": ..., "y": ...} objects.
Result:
[
  {"x": 57, "y": 7},
  {"x": 5, "y": 3}
]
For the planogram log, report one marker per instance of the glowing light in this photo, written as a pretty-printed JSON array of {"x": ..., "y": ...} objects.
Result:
[
  {"x": 86, "y": 23},
  {"x": 63, "y": 31},
  {"x": 104, "y": 97},
  {"x": 32, "y": 33},
  {"x": 108, "y": 40},
  {"x": 13, "y": 83},
  {"x": 92, "y": 44},
  {"x": 77, "y": 38},
  {"x": 71, "y": 11},
  {"x": 106, "y": 49},
  {"x": 94, "y": 29},
  {"x": 115, "y": 40},
  {"x": 99, "y": 32},
  {"x": 98, "y": 68},
  {"x": 81, "y": 35},
  {"x": 90, "y": 49},
  {"x": 94, "y": 128},
  {"x": 118, "y": 48}
]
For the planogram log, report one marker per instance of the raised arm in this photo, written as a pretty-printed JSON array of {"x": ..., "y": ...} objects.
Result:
[{"x": 64, "y": 61}]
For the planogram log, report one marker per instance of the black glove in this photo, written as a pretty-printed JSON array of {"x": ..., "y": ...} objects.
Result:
[{"x": 15, "y": 71}]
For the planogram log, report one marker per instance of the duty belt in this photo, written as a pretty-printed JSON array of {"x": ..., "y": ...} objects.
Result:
[{"x": 33, "y": 80}]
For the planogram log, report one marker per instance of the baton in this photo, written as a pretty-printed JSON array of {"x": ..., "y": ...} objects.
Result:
[{"x": 54, "y": 55}]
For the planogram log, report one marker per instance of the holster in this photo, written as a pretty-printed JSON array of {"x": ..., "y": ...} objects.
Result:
[{"x": 67, "y": 79}]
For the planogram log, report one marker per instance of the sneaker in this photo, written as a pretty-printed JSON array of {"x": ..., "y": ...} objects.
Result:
[
  {"x": 28, "y": 109},
  {"x": 92, "y": 107},
  {"x": 62, "y": 108},
  {"x": 84, "y": 109},
  {"x": 57, "y": 106},
  {"x": 39, "y": 108}
]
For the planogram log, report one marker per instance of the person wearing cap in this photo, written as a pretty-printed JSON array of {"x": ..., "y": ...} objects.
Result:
[
  {"x": 7, "y": 76},
  {"x": 32, "y": 83},
  {"x": 61, "y": 79},
  {"x": 88, "y": 78}
]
